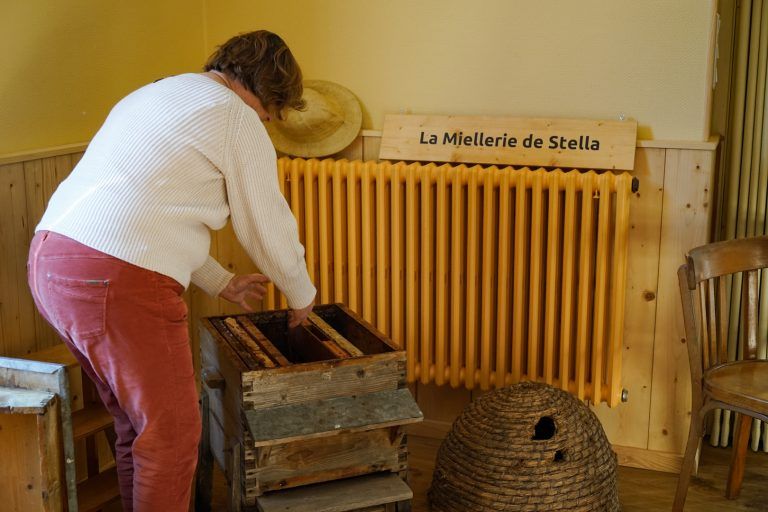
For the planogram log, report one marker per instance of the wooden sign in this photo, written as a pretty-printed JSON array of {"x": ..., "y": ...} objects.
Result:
[{"x": 565, "y": 143}]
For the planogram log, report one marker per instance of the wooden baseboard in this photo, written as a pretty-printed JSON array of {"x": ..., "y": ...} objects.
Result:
[
  {"x": 666, "y": 462},
  {"x": 628, "y": 456}
]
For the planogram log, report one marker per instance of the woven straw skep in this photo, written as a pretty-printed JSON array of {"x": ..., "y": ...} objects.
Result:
[{"x": 527, "y": 447}]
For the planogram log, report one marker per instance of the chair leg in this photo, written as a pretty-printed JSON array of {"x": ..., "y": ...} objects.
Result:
[
  {"x": 691, "y": 447},
  {"x": 741, "y": 433}
]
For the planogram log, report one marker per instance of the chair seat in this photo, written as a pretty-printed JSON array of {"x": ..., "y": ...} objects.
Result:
[{"x": 741, "y": 383}]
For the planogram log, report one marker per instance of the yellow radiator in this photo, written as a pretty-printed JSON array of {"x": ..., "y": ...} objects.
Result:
[{"x": 487, "y": 276}]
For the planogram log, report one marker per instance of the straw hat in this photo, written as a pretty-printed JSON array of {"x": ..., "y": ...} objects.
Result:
[{"x": 330, "y": 122}]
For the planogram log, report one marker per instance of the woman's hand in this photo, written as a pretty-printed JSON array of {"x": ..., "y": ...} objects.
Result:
[
  {"x": 296, "y": 316},
  {"x": 245, "y": 287}
]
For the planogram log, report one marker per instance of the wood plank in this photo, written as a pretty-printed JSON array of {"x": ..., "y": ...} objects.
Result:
[
  {"x": 352, "y": 152},
  {"x": 319, "y": 381},
  {"x": 371, "y": 145},
  {"x": 324, "y": 459},
  {"x": 218, "y": 440},
  {"x": 237, "y": 345},
  {"x": 354, "y": 327},
  {"x": 262, "y": 340},
  {"x": 627, "y": 424},
  {"x": 36, "y": 154},
  {"x": 217, "y": 355},
  {"x": 339, "y": 496},
  {"x": 244, "y": 337},
  {"x": 60, "y": 354},
  {"x": 56, "y": 354},
  {"x": 50, "y": 449},
  {"x": 706, "y": 145},
  {"x": 37, "y": 198},
  {"x": 22, "y": 472},
  {"x": 64, "y": 164},
  {"x": 50, "y": 377},
  {"x": 332, "y": 416},
  {"x": 565, "y": 143},
  {"x": 97, "y": 491},
  {"x": 685, "y": 224},
  {"x": 648, "y": 459},
  {"x": 429, "y": 429},
  {"x": 235, "y": 259},
  {"x": 441, "y": 404},
  {"x": 17, "y": 327},
  {"x": 87, "y": 422},
  {"x": 29, "y": 374},
  {"x": 200, "y": 306},
  {"x": 24, "y": 401},
  {"x": 334, "y": 335},
  {"x": 372, "y": 138}
]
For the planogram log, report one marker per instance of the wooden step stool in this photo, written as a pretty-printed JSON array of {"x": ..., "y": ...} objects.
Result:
[
  {"x": 284, "y": 410},
  {"x": 81, "y": 417}
]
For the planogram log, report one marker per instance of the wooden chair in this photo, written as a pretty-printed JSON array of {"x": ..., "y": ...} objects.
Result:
[{"x": 716, "y": 383}]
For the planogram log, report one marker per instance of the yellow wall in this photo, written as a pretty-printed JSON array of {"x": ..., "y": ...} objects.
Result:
[
  {"x": 64, "y": 64},
  {"x": 558, "y": 58}
]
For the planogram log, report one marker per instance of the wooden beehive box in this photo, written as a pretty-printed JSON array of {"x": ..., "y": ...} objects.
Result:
[{"x": 322, "y": 402}]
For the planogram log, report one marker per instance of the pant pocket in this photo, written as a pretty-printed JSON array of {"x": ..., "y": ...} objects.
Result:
[{"x": 79, "y": 306}]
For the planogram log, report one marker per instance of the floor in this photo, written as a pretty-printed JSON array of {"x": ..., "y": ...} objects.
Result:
[{"x": 639, "y": 490}]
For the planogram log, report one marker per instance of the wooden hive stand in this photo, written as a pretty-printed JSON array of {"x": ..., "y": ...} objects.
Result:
[{"x": 305, "y": 420}]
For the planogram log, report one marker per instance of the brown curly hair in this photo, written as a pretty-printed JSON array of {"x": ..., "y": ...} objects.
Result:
[{"x": 262, "y": 62}]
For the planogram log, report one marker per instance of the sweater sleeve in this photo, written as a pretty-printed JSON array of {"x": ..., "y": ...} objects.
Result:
[
  {"x": 212, "y": 277},
  {"x": 261, "y": 217}
]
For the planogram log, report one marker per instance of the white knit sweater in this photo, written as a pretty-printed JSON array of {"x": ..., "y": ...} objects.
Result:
[{"x": 173, "y": 160}]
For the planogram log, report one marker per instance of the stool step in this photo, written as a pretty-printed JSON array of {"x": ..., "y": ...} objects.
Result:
[
  {"x": 89, "y": 421},
  {"x": 55, "y": 354},
  {"x": 94, "y": 493},
  {"x": 339, "y": 496}
]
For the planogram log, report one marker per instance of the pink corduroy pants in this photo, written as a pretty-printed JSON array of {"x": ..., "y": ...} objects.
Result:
[{"x": 127, "y": 326}]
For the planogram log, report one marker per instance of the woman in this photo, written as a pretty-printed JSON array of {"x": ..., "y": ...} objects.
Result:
[{"x": 128, "y": 230}]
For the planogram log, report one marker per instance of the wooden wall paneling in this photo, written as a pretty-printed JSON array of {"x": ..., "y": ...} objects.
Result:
[
  {"x": 16, "y": 310},
  {"x": 63, "y": 165},
  {"x": 627, "y": 424},
  {"x": 200, "y": 305},
  {"x": 26, "y": 307},
  {"x": 648, "y": 430},
  {"x": 233, "y": 257},
  {"x": 371, "y": 147},
  {"x": 75, "y": 158},
  {"x": 685, "y": 224},
  {"x": 37, "y": 198},
  {"x": 352, "y": 152},
  {"x": 37, "y": 176},
  {"x": 440, "y": 406}
]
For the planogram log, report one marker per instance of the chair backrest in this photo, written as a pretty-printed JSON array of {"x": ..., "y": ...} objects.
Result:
[{"x": 706, "y": 281}]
